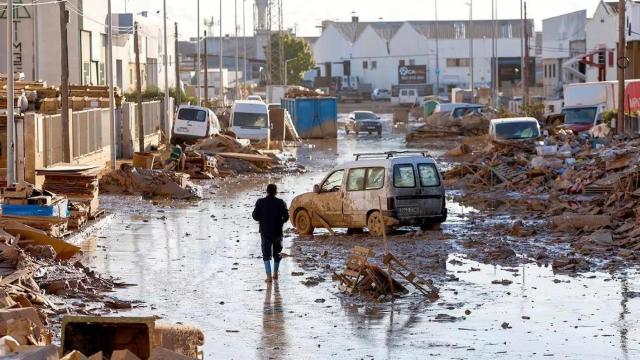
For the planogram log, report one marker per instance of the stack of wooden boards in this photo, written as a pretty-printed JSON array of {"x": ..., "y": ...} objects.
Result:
[
  {"x": 79, "y": 183},
  {"x": 34, "y": 207}
]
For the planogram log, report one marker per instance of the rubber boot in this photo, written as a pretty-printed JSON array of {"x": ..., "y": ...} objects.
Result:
[
  {"x": 276, "y": 267},
  {"x": 267, "y": 268}
]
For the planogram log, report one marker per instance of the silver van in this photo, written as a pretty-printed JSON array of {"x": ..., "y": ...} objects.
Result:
[{"x": 404, "y": 187}]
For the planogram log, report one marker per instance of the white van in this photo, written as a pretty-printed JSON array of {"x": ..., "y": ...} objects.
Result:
[
  {"x": 514, "y": 129},
  {"x": 408, "y": 97},
  {"x": 250, "y": 120},
  {"x": 193, "y": 123}
]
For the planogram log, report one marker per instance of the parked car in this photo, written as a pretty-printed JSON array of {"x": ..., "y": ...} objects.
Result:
[
  {"x": 193, "y": 123},
  {"x": 408, "y": 97},
  {"x": 381, "y": 95},
  {"x": 404, "y": 187},
  {"x": 518, "y": 129},
  {"x": 363, "y": 121},
  {"x": 250, "y": 120}
]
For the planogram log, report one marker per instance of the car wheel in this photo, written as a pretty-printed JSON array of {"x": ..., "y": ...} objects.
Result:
[
  {"x": 357, "y": 133},
  {"x": 304, "y": 225},
  {"x": 352, "y": 231},
  {"x": 380, "y": 133},
  {"x": 375, "y": 224},
  {"x": 369, "y": 132}
]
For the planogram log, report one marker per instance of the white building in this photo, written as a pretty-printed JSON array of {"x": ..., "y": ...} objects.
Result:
[
  {"x": 37, "y": 46},
  {"x": 376, "y": 51},
  {"x": 564, "y": 44}
]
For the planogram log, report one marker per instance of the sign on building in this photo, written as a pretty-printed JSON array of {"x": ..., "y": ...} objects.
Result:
[{"x": 412, "y": 74}]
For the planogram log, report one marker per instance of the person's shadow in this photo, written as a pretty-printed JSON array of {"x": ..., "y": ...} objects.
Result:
[{"x": 274, "y": 337}]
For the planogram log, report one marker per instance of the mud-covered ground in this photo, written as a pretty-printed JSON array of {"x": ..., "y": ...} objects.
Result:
[{"x": 199, "y": 263}]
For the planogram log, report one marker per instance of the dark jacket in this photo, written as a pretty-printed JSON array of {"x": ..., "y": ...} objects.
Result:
[{"x": 272, "y": 214}]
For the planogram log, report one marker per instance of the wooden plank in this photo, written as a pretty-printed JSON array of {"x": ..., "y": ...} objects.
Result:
[
  {"x": 324, "y": 223},
  {"x": 247, "y": 157}
]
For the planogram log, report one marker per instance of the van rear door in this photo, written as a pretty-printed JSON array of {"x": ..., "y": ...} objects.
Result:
[
  {"x": 418, "y": 193},
  {"x": 192, "y": 122}
]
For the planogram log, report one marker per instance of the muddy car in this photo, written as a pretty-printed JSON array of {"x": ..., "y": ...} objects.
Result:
[
  {"x": 363, "y": 122},
  {"x": 403, "y": 188}
]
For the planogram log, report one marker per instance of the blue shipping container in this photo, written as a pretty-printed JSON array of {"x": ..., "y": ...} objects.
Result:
[{"x": 314, "y": 118}]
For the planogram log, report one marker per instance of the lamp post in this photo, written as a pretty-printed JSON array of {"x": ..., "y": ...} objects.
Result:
[
  {"x": 167, "y": 111},
  {"x": 112, "y": 118}
]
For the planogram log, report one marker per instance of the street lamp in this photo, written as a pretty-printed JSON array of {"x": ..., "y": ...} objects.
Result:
[{"x": 286, "y": 71}]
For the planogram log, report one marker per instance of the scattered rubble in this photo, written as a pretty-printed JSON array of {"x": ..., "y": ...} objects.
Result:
[{"x": 150, "y": 183}]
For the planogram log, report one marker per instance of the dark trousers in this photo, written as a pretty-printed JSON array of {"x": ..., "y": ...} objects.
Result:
[{"x": 271, "y": 245}]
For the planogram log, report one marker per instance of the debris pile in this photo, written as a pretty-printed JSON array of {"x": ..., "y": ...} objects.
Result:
[
  {"x": 362, "y": 277},
  {"x": 444, "y": 124},
  {"x": 300, "y": 92},
  {"x": 150, "y": 183},
  {"x": 38, "y": 208},
  {"x": 587, "y": 188}
]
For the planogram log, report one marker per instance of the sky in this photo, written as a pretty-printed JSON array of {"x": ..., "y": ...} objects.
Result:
[{"x": 306, "y": 15}]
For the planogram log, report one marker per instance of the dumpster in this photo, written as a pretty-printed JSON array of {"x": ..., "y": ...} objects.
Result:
[{"x": 314, "y": 118}]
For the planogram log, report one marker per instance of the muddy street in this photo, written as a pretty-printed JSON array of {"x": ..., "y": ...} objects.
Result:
[{"x": 199, "y": 263}]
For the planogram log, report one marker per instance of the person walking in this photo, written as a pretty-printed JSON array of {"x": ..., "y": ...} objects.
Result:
[{"x": 272, "y": 214}]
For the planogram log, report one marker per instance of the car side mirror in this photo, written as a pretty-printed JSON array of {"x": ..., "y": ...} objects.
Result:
[{"x": 316, "y": 188}]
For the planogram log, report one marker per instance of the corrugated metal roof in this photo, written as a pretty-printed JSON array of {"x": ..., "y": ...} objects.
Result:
[{"x": 480, "y": 28}]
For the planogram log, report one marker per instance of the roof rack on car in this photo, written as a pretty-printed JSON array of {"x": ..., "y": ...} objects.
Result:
[{"x": 391, "y": 154}]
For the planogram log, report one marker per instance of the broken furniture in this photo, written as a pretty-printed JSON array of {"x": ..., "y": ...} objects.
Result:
[{"x": 38, "y": 208}]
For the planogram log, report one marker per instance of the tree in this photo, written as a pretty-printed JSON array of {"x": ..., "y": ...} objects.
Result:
[{"x": 296, "y": 49}]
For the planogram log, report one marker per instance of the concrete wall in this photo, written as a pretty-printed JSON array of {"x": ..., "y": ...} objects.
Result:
[{"x": 558, "y": 33}]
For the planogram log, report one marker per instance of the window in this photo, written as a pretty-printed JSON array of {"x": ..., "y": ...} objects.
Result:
[
  {"x": 460, "y": 31},
  {"x": 250, "y": 120},
  {"x": 546, "y": 67},
  {"x": 428, "y": 175},
  {"x": 402, "y": 63},
  {"x": 506, "y": 31},
  {"x": 333, "y": 182},
  {"x": 554, "y": 71},
  {"x": 375, "y": 179},
  {"x": 365, "y": 179},
  {"x": 356, "y": 179},
  {"x": 374, "y": 65},
  {"x": 458, "y": 63},
  {"x": 403, "y": 176},
  {"x": 365, "y": 65},
  {"x": 412, "y": 62},
  {"x": 192, "y": 115}
]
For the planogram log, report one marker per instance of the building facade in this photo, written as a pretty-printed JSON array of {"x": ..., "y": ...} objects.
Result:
[
  {"x": 564, "y": 45},
  {"x": 378, "y": 52},
  {"x": 37, "y": 48}
]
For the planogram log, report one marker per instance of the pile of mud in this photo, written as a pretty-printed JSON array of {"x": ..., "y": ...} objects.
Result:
[
  {"x": 443, "y": 124},
  {"x": 150, "y": 183}
]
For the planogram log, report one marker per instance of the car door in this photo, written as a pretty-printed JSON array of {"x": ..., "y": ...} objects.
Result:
[
  {"x": 432, "y": 190},
  {"x": 328, "y": 202},
  {"x": 364, "y": 188}
]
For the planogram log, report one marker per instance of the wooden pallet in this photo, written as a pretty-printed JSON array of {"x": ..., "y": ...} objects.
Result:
[
  {"x": 356, "y": 267},
  {"x": 508, "y": 174},
  {"x": 397, "y": 266}
]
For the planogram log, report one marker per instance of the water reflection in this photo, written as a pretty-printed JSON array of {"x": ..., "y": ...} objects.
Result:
[{"x": 274, "y": 336}]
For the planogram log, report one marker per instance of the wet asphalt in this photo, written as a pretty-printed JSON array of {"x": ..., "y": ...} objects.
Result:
[{"x": 199, "y": 264}]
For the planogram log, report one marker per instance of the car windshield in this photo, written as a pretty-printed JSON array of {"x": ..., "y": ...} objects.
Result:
[
  {"x": 517, "y": 130},
  {"x": 580, "y": 116},
  {"x": 365, "y": 116},
  {"x": 192, "y": 115},
  {"x": 250, "y": 120}
]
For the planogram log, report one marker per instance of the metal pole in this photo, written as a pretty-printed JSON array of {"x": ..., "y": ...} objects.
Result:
[
  {"x": 527, "y": 60},
  {"x": 437, "y": 51},
  {"x": 622, "y": 43},
  {"x": 221, "y": 58},
  {"x": 64, "y": 81},
  {"x": 177, "y": 70},
  {"x": 522, "y": 32},
  {"x": 244, "y": 42},
  {"x": 206, "y": 69},
  {"x": 236, "y": 97},
  {"x": 471, "y": 60},
  {"x": 11, "y": 156},
  {"x": 112, "y": 117},
  {"x": 167, "y": 110},
  {"x": 140, "y": 120},
  {"x": 198, "y": 56}
]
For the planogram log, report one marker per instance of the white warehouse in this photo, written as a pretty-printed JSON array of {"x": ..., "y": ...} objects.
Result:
[{"x": 434, "y": 52}]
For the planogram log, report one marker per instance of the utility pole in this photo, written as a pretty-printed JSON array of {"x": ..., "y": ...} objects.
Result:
[
  {"x": 64, "y": 81},
  {"x": 198, "y": 55},
  {"x": 167, "y": 110},
  {"x": 112, "y": 117},
  {"x": 437, "y": 51},
  {"x": 522, "y": 24},
  {"x": 244, "y": 43},
  {"x": 471, "y": 60},
  {"x": 206, "y": 69},
  {"x": 221, "y": 58},
  {"x": 177, "y": 69},
  {"x": 140, "y": 122},
  {"x": 11, "y": 102},
  {"x": 527, "y": 60},
  {"x": 496, "y": 75},
  {"x": 236, "y": 97},
  {"x": 622, "y": 61}
]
